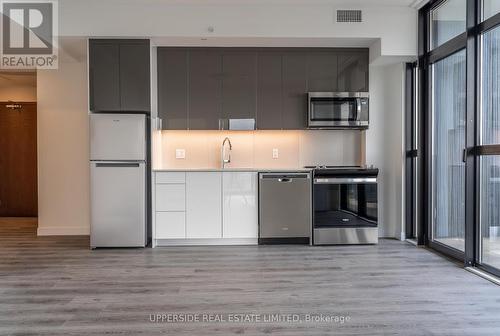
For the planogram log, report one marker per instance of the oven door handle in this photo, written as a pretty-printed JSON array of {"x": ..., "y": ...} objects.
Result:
[{"x": 345, "y": 180}]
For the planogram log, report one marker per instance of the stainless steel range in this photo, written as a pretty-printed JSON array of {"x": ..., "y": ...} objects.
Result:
[{"x": 345, "y": 204}]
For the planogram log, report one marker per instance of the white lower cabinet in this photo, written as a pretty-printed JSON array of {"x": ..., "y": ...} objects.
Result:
[
  {"x": 240, "y": 208},
  {"x": 203, "y": 205},
  {"x": 206, "y": 208},
  {"x": 170, "y": 197},
  {"x": 170, "y": 225}
]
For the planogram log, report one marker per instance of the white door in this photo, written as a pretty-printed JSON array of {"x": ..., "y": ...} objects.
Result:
[
  {"x": 117, "y": 137},
  {"x": 203, "y": 205},
  {"x": 240, "y": 212},
  {"x": 117, "y": 204}
]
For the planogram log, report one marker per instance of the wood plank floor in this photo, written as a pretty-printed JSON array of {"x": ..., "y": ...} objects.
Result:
[{"x": 57, "y": 286}]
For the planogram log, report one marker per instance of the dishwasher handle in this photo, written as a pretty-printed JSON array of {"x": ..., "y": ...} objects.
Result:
[{"x": 285, "y": 177}]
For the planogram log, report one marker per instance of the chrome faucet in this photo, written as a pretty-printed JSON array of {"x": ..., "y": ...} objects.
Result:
[{"x": 223, "y": 152}]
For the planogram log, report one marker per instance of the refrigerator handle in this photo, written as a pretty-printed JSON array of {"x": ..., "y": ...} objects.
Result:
[{"x": 118, "y": 164}]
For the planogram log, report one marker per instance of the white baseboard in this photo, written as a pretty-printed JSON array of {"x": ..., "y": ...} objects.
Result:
[{"x": 63, "y": 231}]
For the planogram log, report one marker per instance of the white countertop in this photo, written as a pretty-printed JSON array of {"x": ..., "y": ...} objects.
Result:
[{"x": 232, "y": 170}]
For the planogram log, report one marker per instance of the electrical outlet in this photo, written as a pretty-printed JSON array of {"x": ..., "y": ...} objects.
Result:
[
  {"x": 180, "y": 153},
  {"x": 276, "y": 153}
]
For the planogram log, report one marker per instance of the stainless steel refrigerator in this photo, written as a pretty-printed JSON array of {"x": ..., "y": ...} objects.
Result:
[{"x": 118, "y": 180}]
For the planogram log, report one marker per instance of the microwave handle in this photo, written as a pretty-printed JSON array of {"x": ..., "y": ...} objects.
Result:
[{"x": 358, "y": 109}]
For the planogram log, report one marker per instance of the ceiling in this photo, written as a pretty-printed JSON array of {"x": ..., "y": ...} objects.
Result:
[
  {"x": 341, "y": 3},
  {"x": 347, "y": 3}
]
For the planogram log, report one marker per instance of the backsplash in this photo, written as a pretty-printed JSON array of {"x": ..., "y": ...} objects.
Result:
[{"x": 254, "y": 149}]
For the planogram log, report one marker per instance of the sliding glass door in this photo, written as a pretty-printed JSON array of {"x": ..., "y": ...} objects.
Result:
[
  {"x": 459, "y": 99},
  {"x": 448, "y": 142},
  {"x": 489, "y": 165}
]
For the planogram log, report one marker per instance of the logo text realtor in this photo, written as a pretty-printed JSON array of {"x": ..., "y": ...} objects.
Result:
[{"x": 29, "y": 34}]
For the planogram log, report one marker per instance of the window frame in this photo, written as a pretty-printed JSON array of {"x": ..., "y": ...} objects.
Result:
[{"x": 470, "y": 40}]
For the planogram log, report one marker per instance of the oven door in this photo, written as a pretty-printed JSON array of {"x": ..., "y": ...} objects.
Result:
[{"x": 345, "y": 202}]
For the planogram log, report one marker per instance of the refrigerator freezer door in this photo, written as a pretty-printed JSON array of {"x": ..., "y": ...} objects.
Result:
[
  {"x": 118, "y": 137},
  {"x": 118, "y": 204}
]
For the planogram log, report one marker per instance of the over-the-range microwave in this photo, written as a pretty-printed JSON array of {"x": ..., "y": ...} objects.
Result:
[{"x": 338, "y": 110}]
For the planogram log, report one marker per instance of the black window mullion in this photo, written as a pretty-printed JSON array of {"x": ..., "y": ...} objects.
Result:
[
  {"x": 446, "y": 49},
  {"x": 423, "y": 119},
  {"x": 411, "y": 149},
  {"x": 488, "y": 24},
  {"x": 423, "y": 173},
  {"x": 471, "y": 213},
  {"x": 482, "y": 150}
]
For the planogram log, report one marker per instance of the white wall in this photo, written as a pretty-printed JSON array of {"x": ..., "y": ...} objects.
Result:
[
  {"x": 63, "y": 153},
  {"x": 18, "y": 87},
  {"x": 385, "y": 144},
  {"x": 395, "y": 25}
]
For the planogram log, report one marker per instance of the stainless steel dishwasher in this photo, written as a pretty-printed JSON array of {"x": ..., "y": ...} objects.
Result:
[{"x": 285, "y": 208}]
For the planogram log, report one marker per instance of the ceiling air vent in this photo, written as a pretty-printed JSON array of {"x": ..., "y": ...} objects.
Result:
[{"x": 349, "y": 15}]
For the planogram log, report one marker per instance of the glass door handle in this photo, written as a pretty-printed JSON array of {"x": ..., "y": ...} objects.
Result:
[{"x": 413, "y": 153}]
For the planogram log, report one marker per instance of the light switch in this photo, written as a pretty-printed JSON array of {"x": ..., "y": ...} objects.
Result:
[
  {"x": 276, "y": 153},
  {"x": 180, "y": 153}
]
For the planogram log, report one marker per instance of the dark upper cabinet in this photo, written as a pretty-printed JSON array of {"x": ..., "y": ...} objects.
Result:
[
  {"x": 119, "y": 76},
  {"x": 172, "y": 66},
  {"x": 199, "y": 88},
  {"x": 353, "y": 70},
  {"x": 104, "y": 74},
  {"x": 322, "y": 71},
  {"x": 294, "y": 90},
  {"x": 205, "y": 89},
  {"x": 269, "y": 90},
  {"x": 135, "y": 82},
  {"x": 239, "y": 84}
]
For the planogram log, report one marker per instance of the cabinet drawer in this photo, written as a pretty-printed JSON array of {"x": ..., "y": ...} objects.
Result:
[
  {"x": 170, "y": 197},
  {"x": 170, "y": 177},
  {"x": 170, "y": 225}
]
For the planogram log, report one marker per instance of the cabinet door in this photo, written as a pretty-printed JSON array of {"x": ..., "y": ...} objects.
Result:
[
  {"x": 135, "y": 94},
  {"x": 353, "y": 71},
  {"x": 205, "y": 86},
  {"x": 170, "y": 225},
  {"x": 104, "y": 74},
  {"x": 203, "y": 205},
  {"x": 239, "y": 84},
  {"x": 239, "y": 205},
  {"x": 173, "y": 88},
  {"x": 294, "y": 90},
  {"x": 322, "y": 71},
  {"x": 170, "y": 197},
  {"x": 269, "y": 90}
]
